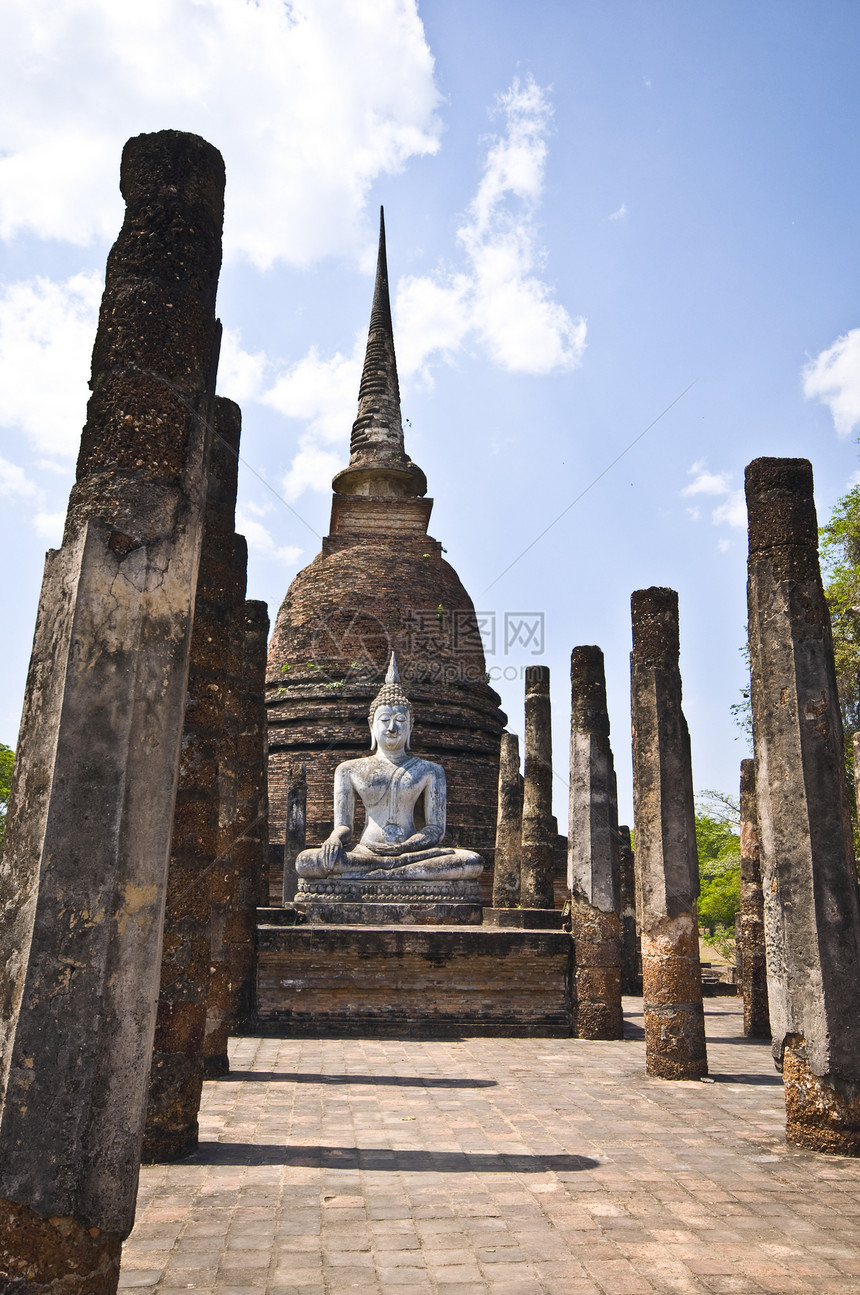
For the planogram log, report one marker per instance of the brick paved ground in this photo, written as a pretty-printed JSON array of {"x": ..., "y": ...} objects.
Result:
[{"x": 508, "y": 1166}]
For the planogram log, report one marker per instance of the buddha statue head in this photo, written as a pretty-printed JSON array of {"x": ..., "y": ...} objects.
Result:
[{"x": 390, "y": 716}]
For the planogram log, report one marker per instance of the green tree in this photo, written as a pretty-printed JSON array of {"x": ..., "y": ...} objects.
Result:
[
  {"x": 719, "y": 847},
  {"x": 7, "y": 757},
  {"x": 840, "y": 567}
]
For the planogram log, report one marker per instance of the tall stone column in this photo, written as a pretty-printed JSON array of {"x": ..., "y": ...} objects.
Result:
[
  {"x": 224, "y": 888},
  {"x": 593, "y": 863},
  {"x": 84, "y": 868},
  {"x": 509, "y": 825},
  {"x": 295, "y": 831},
  {"x": 666, "y": 857},
  {"x": 855, "y": 745},
  {"x": 752, "y": 944},
  {"x": 538, "y": 836},
  {"x": 176, "y": 1079},
  {"x": 630, "y": 956},
  {"x": 811, "y": 910}
]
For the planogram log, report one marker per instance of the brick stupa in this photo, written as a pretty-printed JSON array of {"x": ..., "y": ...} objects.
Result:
[{"x": 381, "y": 584}]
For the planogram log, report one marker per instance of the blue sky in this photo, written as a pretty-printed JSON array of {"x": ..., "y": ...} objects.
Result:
[{"x": 592, "y": 208}]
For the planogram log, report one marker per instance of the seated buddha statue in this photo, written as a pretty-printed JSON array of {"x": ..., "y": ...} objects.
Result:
[{"x": 391, "y": 783}]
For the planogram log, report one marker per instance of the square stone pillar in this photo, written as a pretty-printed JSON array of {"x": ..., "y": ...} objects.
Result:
[
  {"x": 84, "y": 867},
  {"x": 811, "y": 910},
  {"x": 753, "y": 960},
  {"x": 666, "y": 857},
  {"x": 539, "y": 830},
  {"x": 295, "y": 829},
  {"x": 509, "y": 825},
  {"x": 631, "y": 958},
  {"x": 176, "y": 1079},
  {"x": 593, "y": 862}
]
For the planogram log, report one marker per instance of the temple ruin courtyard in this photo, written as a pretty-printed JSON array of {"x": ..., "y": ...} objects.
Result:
[{"x": 513, "y": 1166}]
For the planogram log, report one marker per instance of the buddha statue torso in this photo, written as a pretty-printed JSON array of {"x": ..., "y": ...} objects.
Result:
[{"x": 391, "y": 783}]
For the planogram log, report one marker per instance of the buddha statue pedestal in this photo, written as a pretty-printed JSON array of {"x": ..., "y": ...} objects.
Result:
[
  {"x": 383, "y": 903},
  {"x": 398, "y": 872}
]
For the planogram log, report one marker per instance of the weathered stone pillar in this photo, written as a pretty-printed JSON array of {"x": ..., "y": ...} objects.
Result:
[
  {"x": 176, "y": 1079},
  {"x": 811, "y": 910},
  {"x": 666, "y": 857},
  {"x": 84, "y": 867},
  {"x": 630, "y": 956},
  {"x": 855, "y": 744},
  {"x": 224, "y": 890},
  {"x": 509, "y": 825},
  {"x": 593, "y": 862},
  {"x": 753, "y": 963},
  {"x": 295, "y": 832},
  {"x": 538, "y": 836}
]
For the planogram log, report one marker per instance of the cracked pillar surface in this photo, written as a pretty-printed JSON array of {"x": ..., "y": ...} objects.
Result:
[
  {"x": 811, "y": 910},
  {"x": 593, "y": 862},
  {"x": 539, "y": 830},
  {"x": 224, "y": 887},
  {"x": 295, "y": 831},
  {"x": 631, "y": 976},
  {"x": 84, "y": 868},
  {"x": 176, "y": 1079},
  {"x": 753, "y": 959},
  {"x": 509, "y": 825},
  {"x": 666, "y": 857}
]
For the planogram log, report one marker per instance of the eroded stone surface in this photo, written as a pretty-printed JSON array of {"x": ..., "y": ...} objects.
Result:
[
  {"x": 55, "y": 1256},
  {"x": 817, "y": 1116},
  {"x": 753, "y": 953},
  {"x": 539, "y": 828},
  {"x": 84, "y": 866},
  {"x": 811, "y": 908},
  {"x": 509, "y": 825},
  {"x": 666, "y": 856}
]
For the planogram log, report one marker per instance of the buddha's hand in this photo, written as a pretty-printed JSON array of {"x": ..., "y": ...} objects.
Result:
[
  {"x": 389, "y": 847},
  {"x": 333, "y": 855}
]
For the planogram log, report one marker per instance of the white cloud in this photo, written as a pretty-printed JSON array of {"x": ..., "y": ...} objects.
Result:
[
  {"x": 833, "y": 377},
  {"x": 497, "y": 298},
  {"x": 323, "y": 395},
  {"x": 261, "y": 541},
  {"x": 705, "y": 482},
  {"x": 309, "y": 102},
  {"x": 14, "y": 482},
  {"x": 50, "y": 527},
  {"x": 240, "y": 373},
  {"x": 724, "y": 545},
  {"x": 46, "y": 340},
  {"x": 732, "y": 511},
  {"x": 622, "y": 212}
]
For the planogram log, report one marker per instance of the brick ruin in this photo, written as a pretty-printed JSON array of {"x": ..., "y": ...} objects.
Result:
[
  {"x": 380, "y": 584},
  {"x": 136, "y": 878}
]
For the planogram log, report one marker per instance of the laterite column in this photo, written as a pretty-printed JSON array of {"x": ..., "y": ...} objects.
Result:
[
  {"x": 753, "y": 958},
  {"x": 593, "y": 853},
  {"x": 538, "y": 835},
  {"x": 509, "y": 825},
  {"x": 84, "y": 868},
  {"x": 666, "y": 857},
  {"x": 811, "y": 910}
]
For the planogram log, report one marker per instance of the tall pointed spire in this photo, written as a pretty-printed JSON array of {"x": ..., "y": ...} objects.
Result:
[
  {"x": 378, "y": 425},
  {"x": 378, "y": 462}
]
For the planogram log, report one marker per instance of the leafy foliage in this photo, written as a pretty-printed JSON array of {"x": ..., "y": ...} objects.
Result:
[
  {"x": 7, "y": 758},
  {"x": 719, "y": 846},
  {"x": 840, "y": 563}
]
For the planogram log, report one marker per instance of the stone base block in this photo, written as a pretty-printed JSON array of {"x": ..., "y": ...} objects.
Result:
[
  {"x": 817, "y": 1117},
  {"x": 466, "y": 979},
  {"x": 337, "y": 913},
  {"x": 399, "y": 902},
  {"x": 44, "y": 1256},
  {"x": 312, "y": 890},
  {"x": 524, "y": 919}
]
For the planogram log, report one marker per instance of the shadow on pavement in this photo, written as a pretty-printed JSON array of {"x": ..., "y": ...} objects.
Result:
[
  {"x": 397, "y": 1081},
  {"x": 406, "y": 1161}
]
